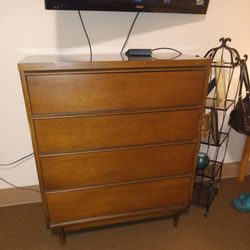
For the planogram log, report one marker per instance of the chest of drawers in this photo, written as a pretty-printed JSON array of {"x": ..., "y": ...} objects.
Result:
[{"x": 114, "y": 140}]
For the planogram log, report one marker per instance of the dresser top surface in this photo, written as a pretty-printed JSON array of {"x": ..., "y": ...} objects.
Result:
[{"x": 77, "y": 62}]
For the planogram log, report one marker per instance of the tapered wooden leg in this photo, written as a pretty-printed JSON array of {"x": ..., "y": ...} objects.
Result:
[
  {"x": 61, "y": 234},
  {"x": 244, "y": 160},
  {"x": 176, "y": 219}
]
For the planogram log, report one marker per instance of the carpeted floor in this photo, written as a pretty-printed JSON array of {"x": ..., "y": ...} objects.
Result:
[{"x": 22, "y": 227}]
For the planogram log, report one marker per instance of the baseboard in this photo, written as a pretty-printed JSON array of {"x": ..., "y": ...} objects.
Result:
[
  {"x": 230, "y": 170},
  {"x": 13, "y": 196},
  {"x": 10, "y": 197}
]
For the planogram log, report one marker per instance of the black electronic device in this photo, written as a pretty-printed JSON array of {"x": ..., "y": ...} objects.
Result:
[
  {"x": 139, "y": 52},
  {"x": 171, "y": 6}
]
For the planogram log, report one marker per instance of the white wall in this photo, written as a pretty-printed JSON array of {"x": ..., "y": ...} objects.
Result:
[{"x": 27, "y": 29}]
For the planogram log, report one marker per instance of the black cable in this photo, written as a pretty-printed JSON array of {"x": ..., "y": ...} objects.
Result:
[
  {"x": 129, "y": 33},
  {"x": 17, "y": 161},
  {"x": 23, "y": 189},
  {"x": 166, "y": 48},
  {"x": 90, "y": 48}
]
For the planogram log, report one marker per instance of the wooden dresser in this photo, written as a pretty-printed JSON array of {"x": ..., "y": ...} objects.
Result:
[{"x": 114, "y": 140}]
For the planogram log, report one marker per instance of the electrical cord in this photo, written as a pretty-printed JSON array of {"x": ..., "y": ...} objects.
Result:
[
  {"x": 123, "y": 47},
  {"x": 17, "y": 161},
  {"x": 86, "y": 33},
  {"x": 23, "y": 189},
  {"x": 166, "y": 48}
]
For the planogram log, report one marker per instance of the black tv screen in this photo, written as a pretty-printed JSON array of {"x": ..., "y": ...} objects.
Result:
[{"x": 171, "y": 6}]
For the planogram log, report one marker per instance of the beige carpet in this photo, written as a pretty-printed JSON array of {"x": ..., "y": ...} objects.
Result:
[{"x": 23, "y": 227}]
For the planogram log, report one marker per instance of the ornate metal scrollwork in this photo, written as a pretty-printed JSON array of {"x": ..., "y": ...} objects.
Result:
[{"x": 234, "y": 54}]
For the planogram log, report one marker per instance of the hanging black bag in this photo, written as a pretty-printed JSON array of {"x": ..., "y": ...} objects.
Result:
[{"x": 240, "y": 115}]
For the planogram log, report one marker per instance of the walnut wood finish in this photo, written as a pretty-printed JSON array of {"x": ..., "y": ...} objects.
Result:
[
  {"x": 117, "y": 199},
  {"x": 163, "y": 212},
  {"x": 95, "y": 132},
  {"x": 94, "y": 168},
  {"x": 91, "y": 92},
  {"x": 114, "y": 140}
]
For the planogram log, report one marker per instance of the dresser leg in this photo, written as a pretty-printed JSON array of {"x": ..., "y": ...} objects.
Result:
[
  {"x": 61, "y": 234},
  {"x": 176, "y": 219}
]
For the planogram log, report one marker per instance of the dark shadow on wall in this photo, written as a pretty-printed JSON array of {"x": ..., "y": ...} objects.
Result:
[{"x": 104, "y": 26}]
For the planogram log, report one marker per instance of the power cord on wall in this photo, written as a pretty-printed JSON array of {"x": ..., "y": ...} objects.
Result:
[
  {"x": 143, "y": 52},
  {"x": 23, "y": 189},
  {"x": 86, "y": 33},
  {"x": 16, "y": 163},
  {"x": 130, "y": 30},
  {"x": 139, "y": 51}
]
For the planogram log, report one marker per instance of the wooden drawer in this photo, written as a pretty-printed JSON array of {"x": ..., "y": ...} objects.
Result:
[
  {"x": 96, "y": 132},
  {"x": 81, "y": 170},
  {"x": 82, "y": 92},
  {"x": 97, "y": 202}
]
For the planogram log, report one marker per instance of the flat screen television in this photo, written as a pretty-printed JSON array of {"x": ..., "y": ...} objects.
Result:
[{"x": 171, "y": 6}]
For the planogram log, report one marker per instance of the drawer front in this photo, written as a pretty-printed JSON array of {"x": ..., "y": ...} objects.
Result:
[
  {"x": 81, "y": 170},
  {"x": 70, "y": 93},
  {"x": 97, "y": 132},
  {"x": 83, "y": 204}
]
